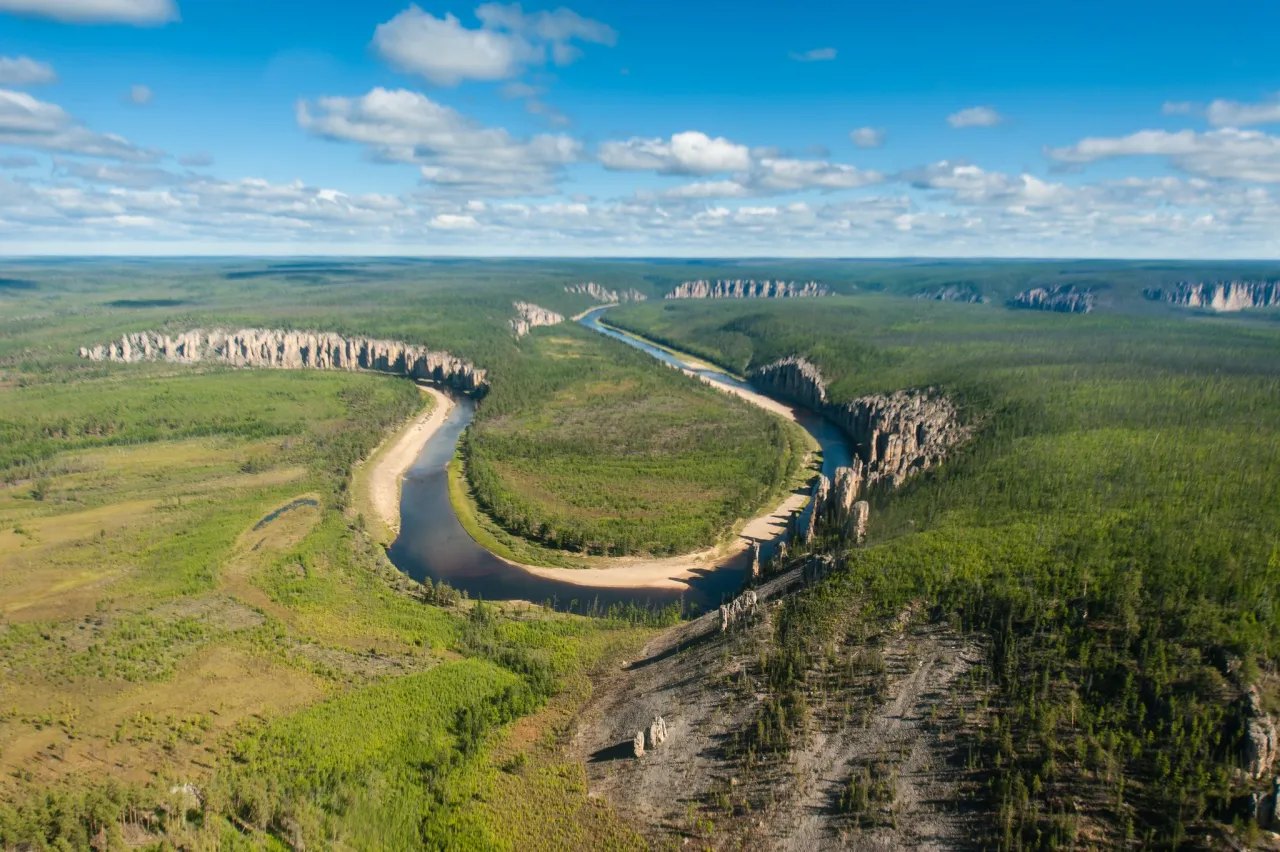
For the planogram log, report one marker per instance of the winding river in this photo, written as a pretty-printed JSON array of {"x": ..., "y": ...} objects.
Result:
[{"x": 432, "y": 542}]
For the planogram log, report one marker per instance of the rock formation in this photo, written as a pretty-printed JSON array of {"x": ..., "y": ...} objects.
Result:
[
  {"x": 858, "y": 519},
  {"x": 795, "y": 379},
  {"x": 1063, "y": 298},
  {"x": 755, "y": 560},
  {"x": 637, "y": 744},
  {"x": 894, "y": 435},
  {"x": 656, "y": 734},
  {"x": 291, "y": 350},
  {"x": 817, "y": 566},
  {"x": 961, "y": 291},
  {"x": 737, "y": 610},
  {"x": 844, "y": 492},
  {"x": 608, "y": 297},
  {"x": 1219, "y": 295},
  {"x": 531, "y": 316},
  {"x": 747, "y": 289},
  {"x": 1260, "y": 744}
]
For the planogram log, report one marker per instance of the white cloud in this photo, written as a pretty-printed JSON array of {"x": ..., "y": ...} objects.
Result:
[
  {"x": 196, "y": 160},
  {"x": 453, "y": 151},
  {"x": 558, "y": 27},
  {"x": 140, "y": 95},
  {"x": 136, "y": 12},
  {"x": 691, "y": 152},
  {"x": 24, "y": 71},
  {"x": 786, "y": 175},
  {"x": 707, "y": 189},
  {"x": 867, "y": 137},
  {"x": 1227, "y": 153},
  {"x": 969, "y": 184},
  {"x": 1179, "y": 108},
  {"x": 1224, "y": 113},
  {"x": 18, "y": 162},
  {"x": 26, "y": 122},
  {"x": 116, "y": 174},
  {"x": 979, "y": 116},
  {"x": 453, "y": 222},
  {"x": 508, "y": 41},
  {"x": 818, "y": 54}
]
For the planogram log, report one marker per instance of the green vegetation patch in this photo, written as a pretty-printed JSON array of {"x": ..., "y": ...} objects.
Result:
[{"x": 608, "y": 453}]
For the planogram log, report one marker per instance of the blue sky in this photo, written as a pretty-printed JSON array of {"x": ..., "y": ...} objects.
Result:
[{"x": 639, "y": 128}]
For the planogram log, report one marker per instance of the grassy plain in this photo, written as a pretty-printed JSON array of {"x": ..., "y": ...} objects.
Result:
[{"x": 1112, "y": 530}]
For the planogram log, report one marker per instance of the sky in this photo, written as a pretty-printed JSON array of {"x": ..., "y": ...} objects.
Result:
[{"x": 640, "y": 128}]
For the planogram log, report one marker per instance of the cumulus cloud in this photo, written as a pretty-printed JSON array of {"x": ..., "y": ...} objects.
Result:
[
  {"x": 1224, "y": 113},
  {"x": 1228, "y": 153},
  {"x": 26, "y": 122},
  {"x": 867, "y": 137},
  {"x": 1179, "y": 108},
  {"x": 786, "y": 175},
  {"x": 196, "y": 160},
  {"x": 140, "y": 95},
  {"x": 446, "y": 52},
  {"x": 818, "y": 54},
  {"x": 24, "y": 71},
  {"x": 978, "y": 116},
  {"x": 969, "y": 184},
  {"x": 136, "y": 12},
  {"x": 116, "y": 174},
  {"x": 687, "y": 153},
  {"x": 452, "y": 151}
]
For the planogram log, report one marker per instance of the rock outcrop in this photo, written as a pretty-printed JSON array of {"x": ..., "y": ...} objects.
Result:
[
  {"x": 606, "y": 296},
  {"x": 737, "y": 610},
  {"x": 530, "y": 316},
  {"x": 1222, "y": 296},
  {"x": 964, "y": 291},
  {"x": 656, "y": 734},
  {"x": 794, "y": 379},
  {"x": 747, "y": 289},
  {"x": 858, "y": 519},
  {"x": 1260, "y": 744},
  {"x": 291, "y": 350},
  {"x": 1063, "y": 298},
  {"x": 894, "y": 435},
  {"x": 637, "y": 745}
]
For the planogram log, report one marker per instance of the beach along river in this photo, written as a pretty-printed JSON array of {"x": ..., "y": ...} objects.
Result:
[{"x": 432, "y": 542}]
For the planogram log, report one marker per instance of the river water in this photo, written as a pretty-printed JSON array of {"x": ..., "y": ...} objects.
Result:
[{"x": 432, "y": 542}]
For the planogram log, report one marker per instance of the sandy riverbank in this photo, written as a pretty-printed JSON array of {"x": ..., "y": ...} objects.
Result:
[{"x": 390, "y": 465}]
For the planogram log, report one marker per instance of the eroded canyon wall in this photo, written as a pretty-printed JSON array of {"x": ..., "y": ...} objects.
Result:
[
  {"x": 1063, "y": 298},
  {"x": 605, "y": 295},
  {"x": 748, "y": 289},
  {"x": 530, "y": 316},
  {"x": 1222, "y": 296},
  {"x": 894, "y": 435},
  {"x": 291, "y": 350}
]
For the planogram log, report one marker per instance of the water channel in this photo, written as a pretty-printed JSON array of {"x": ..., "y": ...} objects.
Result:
[{"x": 432, "y": 542}]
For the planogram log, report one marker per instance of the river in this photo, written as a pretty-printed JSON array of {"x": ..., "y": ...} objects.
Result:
[{"x": 432, "y": 542}]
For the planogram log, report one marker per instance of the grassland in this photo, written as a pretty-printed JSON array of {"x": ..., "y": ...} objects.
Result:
[{"x": 1111, "y": 531}]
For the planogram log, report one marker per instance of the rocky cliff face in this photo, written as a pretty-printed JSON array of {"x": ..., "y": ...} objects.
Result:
[
  {"x": 530, "y": 316},
  {"x": 960, "y": 292},
  {"x": 1219, "y": 295},
  {"x": 1063, "y": 298},
  {"x": 747, "y": 289},
  {"x": 894, "y": 435},
  {"x": 794, "y": 379},
  {"x": 291, "y": 350},
  {"x": 605, "y": 296}
]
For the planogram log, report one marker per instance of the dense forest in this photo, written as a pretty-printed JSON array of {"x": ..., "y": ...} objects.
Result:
[{"x": 1112, "y": 529}]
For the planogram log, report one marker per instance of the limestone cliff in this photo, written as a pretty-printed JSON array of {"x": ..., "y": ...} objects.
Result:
[
  {"x": 530, "y": 316},
  {"x": 1219, "y": 295},
  {"x": 894, "y": 435},
  {"x": 606, "y": 296},
  {"x": 961, "y": 291},
  {"x": 1063, "y": 298},
  {"x": 747, "y": 289},
  {"x": 291, "y": 350}
]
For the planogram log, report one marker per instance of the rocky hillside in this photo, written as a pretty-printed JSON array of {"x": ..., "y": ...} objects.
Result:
[
  {"x": 291, "y": 350},
  {"x": 1063, "y": 298},
  {"x": 894, "y": 435},
  {"x": 1219, "y": 295},
  {"x": 606, "y": 296},
  {"x": 747, "y": 289},
  {"x": 530, "y": 316},
  {"x": 964, "y": 291}
]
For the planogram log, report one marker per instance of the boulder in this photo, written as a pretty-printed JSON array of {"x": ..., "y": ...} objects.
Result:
[{"x": 637, "y": 744}]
